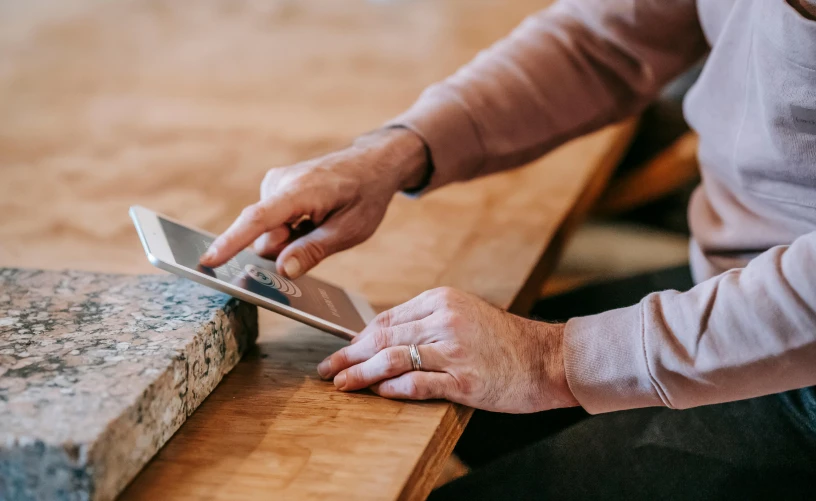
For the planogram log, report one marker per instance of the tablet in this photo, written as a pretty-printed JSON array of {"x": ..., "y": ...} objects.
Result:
[{"x": 175, "y": 247}]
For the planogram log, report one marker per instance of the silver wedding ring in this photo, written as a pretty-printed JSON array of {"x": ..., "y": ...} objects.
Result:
[{"x": 416, "y": 361}]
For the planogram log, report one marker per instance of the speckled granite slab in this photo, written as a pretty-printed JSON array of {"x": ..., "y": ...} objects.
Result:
[{"x": 98, "y": 371}]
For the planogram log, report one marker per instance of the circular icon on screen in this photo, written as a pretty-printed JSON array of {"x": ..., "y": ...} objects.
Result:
[{"x": 271, "y": 279}]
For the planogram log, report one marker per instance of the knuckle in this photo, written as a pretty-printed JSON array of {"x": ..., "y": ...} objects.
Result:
[
  {"x": 313, "y": 252},
  {"x": 428, "y": 295},
  {"x": 456, "y": 320},
  {"x": 271, "y": 178},
  {"x": 386, "y": 389},
  {"x": 454, "y": 351},
  {"x": 451, "y": 320},
  {"x": 293, "y": 184},
  {"x": 412, "y": 388},
  {"x": 383, "y": 319},
  {"x": 446, "y": 295},
  {"x": 254, "y": 214},
  {"x": 353, "y": 375},
  {"x": 342, "y": 357},
  {"x": 382, "y": 339},
  {"x": 393, "y": 358}
]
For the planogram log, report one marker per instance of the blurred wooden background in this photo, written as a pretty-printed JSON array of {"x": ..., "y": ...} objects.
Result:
[{"x": 182, "y": 107}]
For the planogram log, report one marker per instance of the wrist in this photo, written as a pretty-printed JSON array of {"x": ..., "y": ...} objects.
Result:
[
  {"x": 551, "y": 368},
  {"x": 415, "y": 170},
  {"x": 407, "y": 155}
]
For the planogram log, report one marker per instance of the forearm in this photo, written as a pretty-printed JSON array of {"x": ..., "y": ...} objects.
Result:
[
  {"x": 407, "y": 150},
  {"x": 564, "y": 72}
]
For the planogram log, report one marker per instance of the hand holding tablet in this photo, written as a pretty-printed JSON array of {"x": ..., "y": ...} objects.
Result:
[{"x": 176, "y": 248}]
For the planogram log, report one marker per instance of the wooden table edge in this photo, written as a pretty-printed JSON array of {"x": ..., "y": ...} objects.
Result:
[
  {"x": 580, "y": 209},
  {"x": 439, "y": 448},
  {"x": 441, "y": 444}
]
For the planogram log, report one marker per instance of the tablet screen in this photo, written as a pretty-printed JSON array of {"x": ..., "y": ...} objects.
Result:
[{"x": 251, "y": 272}]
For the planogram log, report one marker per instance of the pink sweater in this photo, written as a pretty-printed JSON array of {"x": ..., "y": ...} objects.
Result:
[{"x": 749, "y": 327}]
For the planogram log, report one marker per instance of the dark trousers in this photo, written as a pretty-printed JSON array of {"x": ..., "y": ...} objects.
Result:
[{"x": 763, "y": 448}]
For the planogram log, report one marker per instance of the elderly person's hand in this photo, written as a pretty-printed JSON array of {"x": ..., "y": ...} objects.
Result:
[
  {"x": 344, "y": 194},
  {"x": 471, "y": 352}
]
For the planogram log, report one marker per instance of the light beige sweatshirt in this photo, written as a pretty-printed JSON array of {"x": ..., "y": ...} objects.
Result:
[{"x": 749, "y": 327}]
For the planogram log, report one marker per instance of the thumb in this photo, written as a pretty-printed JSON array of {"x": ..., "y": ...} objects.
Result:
[{"x": 307, "y": 251}]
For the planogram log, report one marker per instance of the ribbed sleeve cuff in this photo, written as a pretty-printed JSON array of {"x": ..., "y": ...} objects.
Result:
[
  {"x": 606, "y": 363},
  {"x": 450, "y": 135}
]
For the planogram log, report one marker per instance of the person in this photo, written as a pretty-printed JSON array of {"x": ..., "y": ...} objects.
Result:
[{"x": 713, "y": 376}]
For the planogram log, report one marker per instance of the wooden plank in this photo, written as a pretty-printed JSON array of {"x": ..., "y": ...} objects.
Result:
[
  {"x": 439, "y": 448},
  {"x": 274, "y": 428},
  {"x": 606, "y": 157},
  {"x": 671, "y": 169},
  {"x": 182, "y": 108}
]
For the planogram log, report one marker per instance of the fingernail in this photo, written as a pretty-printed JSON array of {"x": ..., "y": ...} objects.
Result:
[
  {"x": 292, "y": 267},
  {"x": 340, "y": 381},
  {"x": 324, "y": 368},
  {"x": 210, "y": 254}
]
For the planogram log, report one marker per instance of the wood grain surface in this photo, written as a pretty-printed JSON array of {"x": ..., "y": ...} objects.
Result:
[
  {"x": 182, "y": 108},
  {"x": 671, "y": 169}
]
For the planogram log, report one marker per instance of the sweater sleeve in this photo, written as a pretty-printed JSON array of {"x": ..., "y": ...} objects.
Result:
[
  {"x": 745, "y": 333},
  {"x": 564, "y": 72}
]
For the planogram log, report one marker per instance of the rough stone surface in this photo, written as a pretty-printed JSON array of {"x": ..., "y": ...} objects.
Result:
[{"x": 97, "y": 371}]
